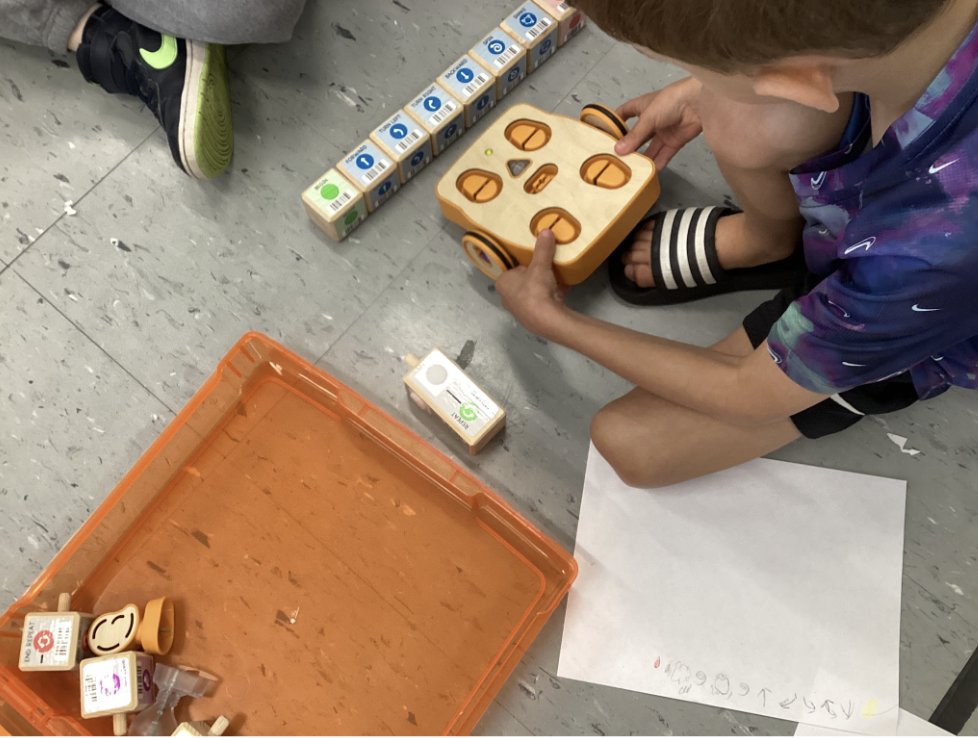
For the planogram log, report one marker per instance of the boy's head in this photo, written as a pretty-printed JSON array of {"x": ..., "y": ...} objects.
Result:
[{"x": 733, "y": 43}]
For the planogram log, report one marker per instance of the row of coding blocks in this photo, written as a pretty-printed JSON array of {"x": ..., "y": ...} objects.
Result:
[{"x": 410, "y": 139}]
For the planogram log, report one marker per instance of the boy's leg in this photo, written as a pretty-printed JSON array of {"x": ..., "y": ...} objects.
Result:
[
  {"x": 217, "y": 21},
  {"x": 42, "y": 22},
  {"x": 755, "y": 147},
  {"x": 652, "y": 442}
]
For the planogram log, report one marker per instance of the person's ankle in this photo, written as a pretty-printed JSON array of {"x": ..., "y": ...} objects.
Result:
[
  {"x": 741, "y": 246},
  {"x": 75, "y": 39}
]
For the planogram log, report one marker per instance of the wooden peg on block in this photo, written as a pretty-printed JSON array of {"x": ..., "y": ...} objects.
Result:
[
  {"x": 54, "y": 641},
  {"x": 200, "y": 728}
]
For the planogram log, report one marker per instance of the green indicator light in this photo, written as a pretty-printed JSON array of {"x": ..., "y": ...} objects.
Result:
[{"x": 488, "y": 152}]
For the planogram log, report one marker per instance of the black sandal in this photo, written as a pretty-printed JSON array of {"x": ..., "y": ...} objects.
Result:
[{"x": 688, "y": 268}]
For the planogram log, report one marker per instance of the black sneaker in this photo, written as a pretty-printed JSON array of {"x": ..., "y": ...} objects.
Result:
[{"x": 183, "y": 82}]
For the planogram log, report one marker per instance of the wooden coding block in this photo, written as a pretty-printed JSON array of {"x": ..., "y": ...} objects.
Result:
[
  {"x": 373, "y": 173},
  {"x": 438, "y": 385},
  {"x": 406, "y": 143},
  {"x": 472, "y": 85},
  {"x": 570, "y": 20},
  {"x": 504, "y": 58},
  {"x": 335, "y": 205},
  {"x": 53, "y": 641},
  {"x": 118, "y": 683},
  {"x": 536, "y": 31},
  {"x": 440, "y": 114}
]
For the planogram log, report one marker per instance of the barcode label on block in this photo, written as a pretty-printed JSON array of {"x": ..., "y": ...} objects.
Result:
[
  {"x": 442, "y": 115},
  {"x": 563, "y": 7},
  {"x": 375, "y": 171},
  {"x": 107, "y": 685},
  {"x": 337, "y": 204},
  {"x": 48, "y": 640},
  {"x": 408, "y": 141},
  {"x": 539, "y": 28},
  {"x": 507, "y": 56},
  {"x": 471, "y": 88}
]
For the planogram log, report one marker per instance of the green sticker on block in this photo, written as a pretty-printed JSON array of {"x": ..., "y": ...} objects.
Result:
[
  {"x": 351, "y": 217},
  {"x": 330, "y": 191}
]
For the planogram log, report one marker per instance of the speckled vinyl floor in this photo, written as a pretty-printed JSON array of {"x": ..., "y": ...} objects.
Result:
[{"x": 111, "y": 318}]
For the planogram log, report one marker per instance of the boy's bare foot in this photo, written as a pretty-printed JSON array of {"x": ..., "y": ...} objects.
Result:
[{"x": 738, "y": 246}]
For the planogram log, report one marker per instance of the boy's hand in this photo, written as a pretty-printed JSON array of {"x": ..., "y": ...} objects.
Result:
[
  {"x": 667, "y": 119},
  {"x": 532, "y": 294}
]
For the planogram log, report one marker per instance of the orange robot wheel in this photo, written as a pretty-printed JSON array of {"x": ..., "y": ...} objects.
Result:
[
  {"x": 486, "y": 253},
  {"x": 604, "y": 119}
]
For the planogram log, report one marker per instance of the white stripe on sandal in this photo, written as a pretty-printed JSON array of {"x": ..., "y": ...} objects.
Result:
[
  {"x": 665, "y": 261},
  {"x": 701, "y": 259}
]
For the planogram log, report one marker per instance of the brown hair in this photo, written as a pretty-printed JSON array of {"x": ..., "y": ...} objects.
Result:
[{"x": 727, "y": 35}]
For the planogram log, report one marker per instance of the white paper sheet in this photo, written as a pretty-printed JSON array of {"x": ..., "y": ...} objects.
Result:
[
  {"x": 907, "y": 724},
  {"x": 771, "y": 588}
]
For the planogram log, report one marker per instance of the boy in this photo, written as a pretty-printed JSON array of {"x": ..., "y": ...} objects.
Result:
[{"x": 862, "y": 119}]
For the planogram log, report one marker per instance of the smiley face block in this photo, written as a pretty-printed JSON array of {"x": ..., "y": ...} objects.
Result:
[{"x": 128, "y": 629}]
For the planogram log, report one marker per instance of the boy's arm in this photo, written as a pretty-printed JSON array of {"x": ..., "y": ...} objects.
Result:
[{"x": 742, "y": 390}]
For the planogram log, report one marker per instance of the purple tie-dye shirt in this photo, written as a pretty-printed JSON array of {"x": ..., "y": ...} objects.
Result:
[{"x": 894, "y": 231}]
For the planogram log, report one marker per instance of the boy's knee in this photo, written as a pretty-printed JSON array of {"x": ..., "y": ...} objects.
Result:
[
  {"x": 778, "y": 136},
  {"x": 631, "y": 457}
]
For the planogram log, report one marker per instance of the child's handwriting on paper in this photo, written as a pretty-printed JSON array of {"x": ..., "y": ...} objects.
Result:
[{"x": 684, "y": 679}]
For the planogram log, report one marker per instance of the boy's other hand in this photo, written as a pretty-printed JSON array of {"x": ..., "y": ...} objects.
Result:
[
  {"x": 532, "y": 294},
  {"x": 667, "y": 120}
]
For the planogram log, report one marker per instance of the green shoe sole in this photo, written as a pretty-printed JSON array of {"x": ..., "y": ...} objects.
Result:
[{"x": 206, "y": 134}]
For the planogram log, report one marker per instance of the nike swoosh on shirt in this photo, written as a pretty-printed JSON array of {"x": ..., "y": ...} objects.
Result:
[
  {"x": 845, "y": 314},
  {"x": 861, "y": 245},
  {"x": 817, "y": 181},
  {"x": 163, "y": 56},
  {"x": 918, "y": 309},
  {"x": 846, "y": 363},
  {"x": 935, "y": 169}
]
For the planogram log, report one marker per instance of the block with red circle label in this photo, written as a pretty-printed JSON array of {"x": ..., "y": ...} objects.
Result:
[
  {"x": 570, "y": 20},
  {"x": 53, "y": 641}
]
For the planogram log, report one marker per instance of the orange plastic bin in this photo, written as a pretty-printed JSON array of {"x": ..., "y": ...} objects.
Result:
[{"x": 335, "y": 572}]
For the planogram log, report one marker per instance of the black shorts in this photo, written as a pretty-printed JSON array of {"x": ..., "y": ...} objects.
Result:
[{"x": 847, "y": 408}]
